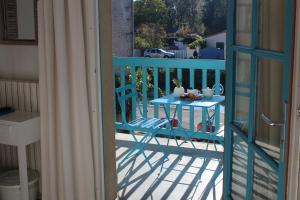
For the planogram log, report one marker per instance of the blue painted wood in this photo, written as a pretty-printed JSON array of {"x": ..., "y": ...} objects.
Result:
[
  {"x": 231, "y": 87},
  {"x": 133, "y": 80},
  {"x": 170, "y": 63},
  {"x": 179, "y": 74},
  {"x": 176, "y": 132},
  {"x": 192, "y": 115},
  {"x": 268, "y": 159},
  {"x": 150, "y": 126},
  {"x": 167, "y": 81},
  {"x": 192, "y": 111},
  {"x": 179, "y": 114},
  {"x": 145, "y": 104},
  {"x": 115, "y": 102},
  {"x": 204, "y": 78},
  {"x": 192, "y": 78},
  {"x": 179, "y": 77},
  {"x": 155, "y": 73},
  {"x": 259, "y": 52},
  {"x": 251, "y": 114},
  {"x": 123, "y": 103},
  {"x": 230, "y": 63},
  {"x": 203, "y": 103},
  {"x": 204, "y": 85},
  {"x": 217, "y": 92},
  {"x": 168, "y": 86},
  {"x": 166, "y": 64},
  {"x": 273, "y": 164}
]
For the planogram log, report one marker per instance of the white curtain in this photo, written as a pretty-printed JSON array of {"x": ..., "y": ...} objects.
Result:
[{"x": 70, "y": 121}]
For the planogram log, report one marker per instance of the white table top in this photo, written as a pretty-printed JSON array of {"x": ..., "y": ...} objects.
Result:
[
  {"x": 19, "y": 128},
  {"x": 17, "y": 117}
]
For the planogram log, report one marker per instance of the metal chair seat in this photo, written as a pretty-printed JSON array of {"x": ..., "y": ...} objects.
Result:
[{"x": 147, "y": 123}]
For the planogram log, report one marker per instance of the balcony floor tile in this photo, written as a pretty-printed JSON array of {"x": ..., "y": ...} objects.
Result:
[{"x": 187, "y": 174}]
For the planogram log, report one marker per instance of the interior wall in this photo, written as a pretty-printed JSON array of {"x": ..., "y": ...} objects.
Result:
[{"x": 19, "y": 62}]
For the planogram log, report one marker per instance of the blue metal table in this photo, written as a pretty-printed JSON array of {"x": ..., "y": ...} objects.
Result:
[{"x": 204, "y": 103}]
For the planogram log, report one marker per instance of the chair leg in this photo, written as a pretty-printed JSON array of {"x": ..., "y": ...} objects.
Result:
[
  {"x": 147, "y": 160},
  {"x": 188, "y": 138},
  {"x": 140, "y": 145},
  {"x": 141, "y": 151},
  {"x": 128, "y": 154},
  {"x": 177, "y": 144},
  {"x": 161, "y": 147},
  {"x": 215, "y": 144},
  {"x": 134, "y": 148}
]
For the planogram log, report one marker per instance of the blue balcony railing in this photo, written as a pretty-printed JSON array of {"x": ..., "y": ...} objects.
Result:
[{"x": 158, "y": 73}]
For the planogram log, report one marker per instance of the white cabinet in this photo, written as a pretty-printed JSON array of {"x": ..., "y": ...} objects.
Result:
[{"x": 20, "y": 129}]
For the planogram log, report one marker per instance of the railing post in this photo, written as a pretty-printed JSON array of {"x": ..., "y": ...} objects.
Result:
[
  {"x": 179, "y": 77},
  {"x": 155, "y": 74},
  {"x": 192, "y": 85},
  {"x": 168, "y": 86},
  {"x": 123, "y": 103},
  {"x": 217, "y": 90},
  {"x": 144, "y": 78},
  {"x": 204, "y": 85},
  {"x": 133, "y": 80}
]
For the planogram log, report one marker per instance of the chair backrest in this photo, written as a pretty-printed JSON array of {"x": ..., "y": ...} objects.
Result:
[{"x": 124, "y": 94}]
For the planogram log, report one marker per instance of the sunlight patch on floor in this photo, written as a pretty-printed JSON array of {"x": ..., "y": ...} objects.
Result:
[{"x": 186, "y": 174}]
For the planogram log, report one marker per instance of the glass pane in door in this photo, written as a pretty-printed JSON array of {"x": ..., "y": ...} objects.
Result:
[
  {"x": 271, "y": 24},
  {"x": 239, "y": 168},
  {"x": 265, "y": 181},
  {"x": 242, "y": 91},
  {"x": 243, "y": 22},
  {"x": 269, "y": 104}
]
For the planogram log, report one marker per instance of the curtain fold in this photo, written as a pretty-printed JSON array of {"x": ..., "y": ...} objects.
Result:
[{"x": 69, "y": 105}]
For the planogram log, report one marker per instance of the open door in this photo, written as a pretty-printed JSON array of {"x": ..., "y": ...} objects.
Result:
[{"x": 258, "y": 85}]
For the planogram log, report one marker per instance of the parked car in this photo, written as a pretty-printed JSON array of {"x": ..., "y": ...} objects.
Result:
[{"x": 158, "y": 53}]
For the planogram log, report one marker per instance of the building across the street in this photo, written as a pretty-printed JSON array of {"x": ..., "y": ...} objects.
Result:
[{"x": 122, "y": 27}]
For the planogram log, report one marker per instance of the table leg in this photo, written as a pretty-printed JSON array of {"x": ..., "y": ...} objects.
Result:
[
  {"x": 170, "y": 124},
  {"x": 204, "y": 111},
  {"x": 179, "y": 126},
  {"x": 217, "y": 117},
  {"x": 23, "y": 171}
]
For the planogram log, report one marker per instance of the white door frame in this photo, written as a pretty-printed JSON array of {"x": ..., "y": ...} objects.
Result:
[
  {"x": 293, "y": 184},
  {"x": 106, "y": 100}
]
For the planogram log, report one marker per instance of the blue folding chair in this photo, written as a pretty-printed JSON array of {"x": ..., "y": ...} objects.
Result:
[{"x": 149, "y": 126}]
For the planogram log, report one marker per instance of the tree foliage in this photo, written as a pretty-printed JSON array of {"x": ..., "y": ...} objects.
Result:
[
  {"x": 154, "y": 18},
  {"x": 150, "y": 36},
  {"x": 150, "y": 11},
  {"x": 185, "y": 12},
  {"x": 198, "y": 42},
  {"x": 183, "y": 31},
  {"x": 214, "y": 16}
]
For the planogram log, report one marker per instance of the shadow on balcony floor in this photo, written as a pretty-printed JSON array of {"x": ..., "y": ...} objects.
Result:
[{"x": 187, "y": 174}]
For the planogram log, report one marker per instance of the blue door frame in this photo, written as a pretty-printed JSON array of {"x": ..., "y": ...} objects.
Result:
[{"x": 284, "y": 57}]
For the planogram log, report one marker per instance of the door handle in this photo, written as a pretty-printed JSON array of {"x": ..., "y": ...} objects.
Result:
[{"x": 268, "y": 121}]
